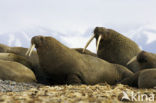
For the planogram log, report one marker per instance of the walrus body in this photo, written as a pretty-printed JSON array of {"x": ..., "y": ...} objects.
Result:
[
  {"x": 17, "y": 54},
  {"x": 21, "y": 52},
  {"x": 16, "y": 58},
  {"x": 142, "y": 79},
  {"x": 144, "y": 60},
  {"x": 65, "y": 66},
  {"x": 114, "y": 47},
  {"x": 14, "y": 71}
]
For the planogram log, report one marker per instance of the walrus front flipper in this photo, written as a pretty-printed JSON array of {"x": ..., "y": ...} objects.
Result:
[{"x": 73, "y": 79}]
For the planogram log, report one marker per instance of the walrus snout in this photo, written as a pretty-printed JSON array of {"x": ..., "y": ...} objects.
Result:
[
  {"x": 36, "y": 42},
  {"x": 142, "y": 57}
]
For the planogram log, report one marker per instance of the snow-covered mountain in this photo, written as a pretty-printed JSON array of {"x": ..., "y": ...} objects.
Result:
[
  {"x": 23, "y": 37},
  {"x": 144, "y": 36}
]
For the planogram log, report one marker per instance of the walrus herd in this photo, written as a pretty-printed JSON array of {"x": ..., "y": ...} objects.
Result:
[{"x": 118, "y": 60}]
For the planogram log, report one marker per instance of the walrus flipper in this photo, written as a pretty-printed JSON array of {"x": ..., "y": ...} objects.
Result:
[{"x": 73, "y": 79}]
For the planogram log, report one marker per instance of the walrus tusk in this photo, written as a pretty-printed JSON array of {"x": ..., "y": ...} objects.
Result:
[
  {"x": 133, "y": 59},
  {"x": 27, "y": 51},
  {"x": 98, "y": 42},
  {"x": 30, "y": 50},
  {"x": 89, "y": 41}
]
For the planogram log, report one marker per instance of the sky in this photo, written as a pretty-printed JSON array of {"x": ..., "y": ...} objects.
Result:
[{"x": 76, "y": 17}]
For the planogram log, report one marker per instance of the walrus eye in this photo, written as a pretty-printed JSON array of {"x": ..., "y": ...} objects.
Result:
[
  {"x": 98, "y": 42},
  {"x": 89, "y": 41}
]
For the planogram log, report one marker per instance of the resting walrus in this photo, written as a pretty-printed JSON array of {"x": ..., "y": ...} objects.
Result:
[
  {"x": 143, "y": 60},
  {"x": 16, "y": 58},
  {"x": 66, "y": 66},
  {"x": 113, "y": 46},
  {"x": 15, "y": 71},
  {"x": 142, "y": 79},
  {"x": 17, "y": 54},
  {"x": 21, "y": 52}
]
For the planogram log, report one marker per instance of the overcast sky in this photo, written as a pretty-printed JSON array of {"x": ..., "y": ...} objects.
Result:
[
  {"x": 76, "y": 15},
  {"x": 77, "y": 19}
]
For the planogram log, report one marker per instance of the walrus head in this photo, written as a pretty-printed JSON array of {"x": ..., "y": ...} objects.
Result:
[
  {"x": 36, "y": 42},
  {"x": 145, "y": 60},
  {"x": 100, "y": 34},
  {"x": 41, "y": 42}
]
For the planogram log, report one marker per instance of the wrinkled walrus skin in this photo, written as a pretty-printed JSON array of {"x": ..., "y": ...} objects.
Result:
[
  {"x": 16, "y": 72},
  {"x": 143, "y": 79},
  {"x": 66, "y": 66},
  {"x": 115, "y": 47}
]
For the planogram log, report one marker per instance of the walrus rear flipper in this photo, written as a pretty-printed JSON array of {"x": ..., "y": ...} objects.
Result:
[{"x": 73, "y": 79}]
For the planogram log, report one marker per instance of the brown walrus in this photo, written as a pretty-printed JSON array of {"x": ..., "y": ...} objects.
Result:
[
  {"x": 15, "y": 71},
  {"x": 16, "y": 58},
  {"x": 66, "y": 66},
  {"x": 21, "y": 52},
  {"x": 18, "y": 55},
  {"x": 143, "y": 60},
  {"x": 142, "y": 79},
  {"x": 113, "y": 46}
]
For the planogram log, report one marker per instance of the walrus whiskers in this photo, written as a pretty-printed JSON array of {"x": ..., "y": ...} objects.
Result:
[
  {"x": 89, "y": 41},
  {"x": 30, "y": 50},
  {"x": 98, "y": 42},
  {"x": 133, "y": 59}
]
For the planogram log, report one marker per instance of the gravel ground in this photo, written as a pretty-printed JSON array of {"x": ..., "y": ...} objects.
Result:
[
  {"x": 12, "y": 86},
  {"x": 12, "y": 92}
]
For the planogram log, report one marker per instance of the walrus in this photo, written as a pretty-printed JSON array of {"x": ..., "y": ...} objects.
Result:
[
  {"x": 113, "y": 46},
  {"x": 17, "y": 54},
  {"x": 14, "y": 71},
  {"x": 143, "y": 79},
  {"x": 143, "y": 60},
  {"x": 63, "y": 65},
  {"x": 21, "y": 51},
  {"x": 16, "y": 58}
]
